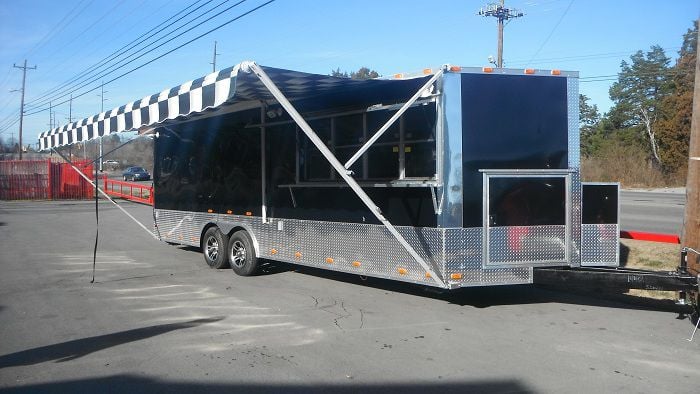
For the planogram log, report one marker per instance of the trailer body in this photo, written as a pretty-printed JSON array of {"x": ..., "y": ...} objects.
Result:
[{"x": 476, "y": 182}]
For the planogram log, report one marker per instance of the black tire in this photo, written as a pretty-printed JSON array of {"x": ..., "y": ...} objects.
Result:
[
  {"x": 241, "y": 254},
  {"x": 214, "y": 247}
]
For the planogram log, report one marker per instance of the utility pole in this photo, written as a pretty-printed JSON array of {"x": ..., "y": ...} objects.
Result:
[
  {"x": 691, "y": 221},
  {"x": 213, "y": 63},
  {"x": 50, "y": 116},
  {"x": 501, "y": 13},
  {"x": 21, "y": 108},
  {"x": 102, "y": 109}
]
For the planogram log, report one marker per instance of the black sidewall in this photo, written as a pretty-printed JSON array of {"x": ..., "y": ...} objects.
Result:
[
  {"x": 251, "y": 262},
  {"x": 222, "y": 258}
]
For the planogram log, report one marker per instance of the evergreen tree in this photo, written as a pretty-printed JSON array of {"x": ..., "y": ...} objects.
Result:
[
  {"x": 362, "y": 73},
  {"x": 589, "y": 119},
  {"x": 639, "y": 91},
  {"x": 673, "y": 130}
]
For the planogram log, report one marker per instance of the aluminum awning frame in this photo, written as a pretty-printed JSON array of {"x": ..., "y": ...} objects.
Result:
[
  {"x": 211, "y": 95},
  {"x": 205, "y": 95}
]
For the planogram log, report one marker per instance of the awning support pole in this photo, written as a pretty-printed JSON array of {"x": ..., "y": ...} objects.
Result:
[
  {"x": 87, "y": 178},
  {"x": 391, "y": 120},
  {"x": 342, "y": 171}
]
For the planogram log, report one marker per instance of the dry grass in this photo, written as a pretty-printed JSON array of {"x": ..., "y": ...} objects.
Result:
[
  {"x": 654, "y": 256},
  {"x": 628, "y": 165}
]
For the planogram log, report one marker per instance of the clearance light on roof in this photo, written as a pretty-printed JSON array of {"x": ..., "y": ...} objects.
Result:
[
  {"x": 229, "y": 212},
  {"x": 487, "y": 69},
  {"x": 402, "y": 271},
  {"x": 273, "y": 251},
  {"x": 329, "y": 260},
  {"x": 356, "y": 264},
  {"x": 398, "y": 76},
  {"x": 427, "y": 275},
  {"x": 456, "y": 276},
  {"x": 427, "y": 71},
  {"x": 455, "y": 68},
  {"x": 210, "y": 210},
  {"x": 297, "y": 255},
  {"x": 555, "y": 72},
  {"x": 249, "y": 213},
  {"x": 529, "y": 71}
]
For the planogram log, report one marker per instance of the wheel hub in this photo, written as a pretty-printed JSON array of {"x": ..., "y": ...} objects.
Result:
[{"x": 238, "y": 254}]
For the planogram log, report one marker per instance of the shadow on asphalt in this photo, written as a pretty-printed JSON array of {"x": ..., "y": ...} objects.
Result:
[
  {"x": 490, "y": 296},
  {"x": 71, "y": 350},
  {"x": 138, "y": 384}
]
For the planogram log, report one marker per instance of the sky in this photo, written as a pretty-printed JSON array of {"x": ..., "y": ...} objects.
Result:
[{"x": 65, "y": 38}]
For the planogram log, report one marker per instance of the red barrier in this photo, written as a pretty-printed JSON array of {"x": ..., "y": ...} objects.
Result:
[
  {"x": 125, "y": 190},
  {"x": 642, "y": 236},
  {"x": 43, "y": 179}
]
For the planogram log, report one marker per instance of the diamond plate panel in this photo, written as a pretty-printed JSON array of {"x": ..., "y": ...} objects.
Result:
[
  {"x": 182, "y": 227},
  {"x": 574, "y": 164},
  {"x": 518, "y": 245},
  {"x": 600, "y": 244},
  {"x": 354, "y": 248}
]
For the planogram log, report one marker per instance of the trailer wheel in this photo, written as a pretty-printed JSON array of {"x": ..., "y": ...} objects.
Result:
[
  {"x": 241, "y": 254},
  {"x": 214, "y": 248}
]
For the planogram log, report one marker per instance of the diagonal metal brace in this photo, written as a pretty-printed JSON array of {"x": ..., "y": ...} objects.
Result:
[
  {"x": 392, "y": 120},
  {"x": 330, "y": 157}
]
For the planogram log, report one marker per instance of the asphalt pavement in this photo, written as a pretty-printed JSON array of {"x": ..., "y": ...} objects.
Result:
[
  {"x": 655, "y": 212},
  {"x": 158, "y": 319}
]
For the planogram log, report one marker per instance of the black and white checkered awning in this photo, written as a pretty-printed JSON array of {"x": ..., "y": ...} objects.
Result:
[{"x": 211, "y": 93}]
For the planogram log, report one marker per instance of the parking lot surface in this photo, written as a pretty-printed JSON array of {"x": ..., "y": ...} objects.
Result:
[{"x": 158, "y": 319}]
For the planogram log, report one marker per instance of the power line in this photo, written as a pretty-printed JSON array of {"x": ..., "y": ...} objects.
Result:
[
  {"x": 169, "y": 51},
  {"x": 94, "y": 37},
  {"x": 125, "y": 61},
  {"x": 124, "y": 49},
  {"x": 4, "y": 129},
  {"x": 95, "y": 22},
  {"x": 546, "y": 40},
  {"x": 60, "y": 26}
]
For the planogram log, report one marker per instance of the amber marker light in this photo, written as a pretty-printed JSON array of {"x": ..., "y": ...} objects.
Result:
[
  {"x": 402, "y": 271},
  {"x": 456, "y": 276},
  {"x": 210, "y": 210},
  {"x": 297, "y": 255},
  {"x": 455, "y": 68},
  {"x": 529, "y": 71},
  {"x": 249, "y": 213},
  {"x": 273, "y": 251},
  {"x": 555, "y": 72},
  {"x": 427, "y": 275},
  {"x": 487, "y": 69},
  {"x": 229, "y": 211},
  {"x": 356, "y": 264},
  {"x": 427, "y": 71},
  {"x": 329, "y": 260},
  {"x": 398, "y": 76}
]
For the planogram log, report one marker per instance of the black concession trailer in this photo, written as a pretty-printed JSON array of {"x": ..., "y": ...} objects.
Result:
[{"x": 453, "y": 177}]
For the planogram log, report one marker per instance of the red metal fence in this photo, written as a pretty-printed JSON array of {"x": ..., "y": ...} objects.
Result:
[
  {"x": 43, "y": 179},
  {"x": 129, "y": 191}
]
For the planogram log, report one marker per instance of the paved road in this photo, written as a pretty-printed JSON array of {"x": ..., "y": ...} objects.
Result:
[
  {"x": 157, "y": 319},
  {"x": 652, "y": 211}
]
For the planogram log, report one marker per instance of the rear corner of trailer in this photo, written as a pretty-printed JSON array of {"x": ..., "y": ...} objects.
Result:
[{"x": 522, "y": 193}]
